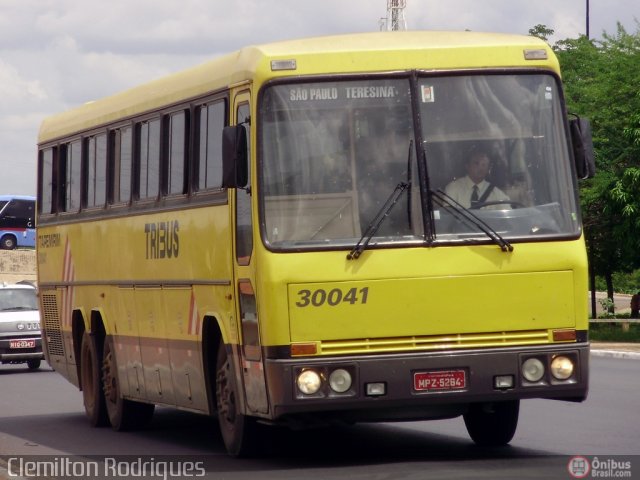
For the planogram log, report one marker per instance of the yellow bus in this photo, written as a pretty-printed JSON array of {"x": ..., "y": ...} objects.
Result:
[{"x": 279, "y": 236}]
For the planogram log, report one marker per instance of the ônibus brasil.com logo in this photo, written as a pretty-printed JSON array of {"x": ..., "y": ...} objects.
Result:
[{"x": 581, "y": 467}]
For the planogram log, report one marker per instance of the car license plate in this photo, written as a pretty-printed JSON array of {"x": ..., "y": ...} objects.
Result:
[
  {"x": 22, "y": 344},
  {"x": 439, "y": 380}
]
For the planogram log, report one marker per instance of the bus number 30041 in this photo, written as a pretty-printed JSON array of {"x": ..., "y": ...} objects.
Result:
[{"x": 333, "y": 297}]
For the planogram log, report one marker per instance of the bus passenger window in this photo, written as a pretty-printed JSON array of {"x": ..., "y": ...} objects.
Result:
[
  {"x": 73, "y": 176},
  {"x": 46, "y": 181},
  {"x": 97, "y": 171},
  {"x": 212, "y": 121},
  {"x": 122, "y": 165},
  {"x": 148, "y": 159},
  {"x": 177, "y": 153}
]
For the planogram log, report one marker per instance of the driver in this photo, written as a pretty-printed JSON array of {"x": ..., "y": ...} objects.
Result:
[{"x": 472, "y": 190}]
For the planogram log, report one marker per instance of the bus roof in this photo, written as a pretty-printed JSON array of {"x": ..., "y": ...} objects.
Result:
[
  {"x": 365, "y": 52},
  {"x": 6, "y": 198}
]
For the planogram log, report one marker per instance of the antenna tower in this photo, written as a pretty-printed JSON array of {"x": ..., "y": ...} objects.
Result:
[{"x": 395, "y": 16}]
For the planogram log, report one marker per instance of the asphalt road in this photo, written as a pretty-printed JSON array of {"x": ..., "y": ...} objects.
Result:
[
  {"x": 622, "y": 302},
  {"x": 41, "y": 414}
]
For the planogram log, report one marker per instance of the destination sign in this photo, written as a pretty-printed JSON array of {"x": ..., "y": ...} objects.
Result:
[{"x": 350, "y": 92}]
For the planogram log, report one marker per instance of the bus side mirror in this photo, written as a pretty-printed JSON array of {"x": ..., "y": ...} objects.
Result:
[
  {"x": 235, "y": 162},
  {"x": 582, "y": 147}
]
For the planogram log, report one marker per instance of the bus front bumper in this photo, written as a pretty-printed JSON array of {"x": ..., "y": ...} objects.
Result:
[{"x": 425, "y": 385}]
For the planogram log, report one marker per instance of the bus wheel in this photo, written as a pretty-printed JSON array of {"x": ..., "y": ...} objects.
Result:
[
  {"x": 33, "y": 364},
  {"x": 237, "y": 430},
  {"x": 8, "y": 242},
  {"x": 492, "y": 424},
  {"x": 92, "y": 394},
  {"x": 123, "y": 414}
]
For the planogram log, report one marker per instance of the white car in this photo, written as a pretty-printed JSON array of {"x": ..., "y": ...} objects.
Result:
[{"x": 20, "y": 339}]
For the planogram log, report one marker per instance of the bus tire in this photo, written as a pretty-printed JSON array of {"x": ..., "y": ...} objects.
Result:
[
  {"x": 92, "y": 394},
  {"x": 8, "y": 242},
  {"x": 123, "y": 414},
  {"x": 493, "y": 424},
  {"x": 34, "y": 364},
  {"x": 237, "y": 430}
]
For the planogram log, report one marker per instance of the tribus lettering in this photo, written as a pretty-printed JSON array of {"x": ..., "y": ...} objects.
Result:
[{"x": 162, "y": 239}]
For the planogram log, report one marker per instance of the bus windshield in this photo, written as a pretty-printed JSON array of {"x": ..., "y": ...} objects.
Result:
[{"x": 492, "y": 145}]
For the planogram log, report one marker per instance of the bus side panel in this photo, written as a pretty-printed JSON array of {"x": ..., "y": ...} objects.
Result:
[
  {"x": 129, "y": 360},
  {"x": 154, "y": 347},
  {"x": 154, "y": 292},
  {"x": 183, "y": 326}
]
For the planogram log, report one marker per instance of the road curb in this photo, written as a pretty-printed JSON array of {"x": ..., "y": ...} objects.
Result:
[{"x": 616, "y": 354}]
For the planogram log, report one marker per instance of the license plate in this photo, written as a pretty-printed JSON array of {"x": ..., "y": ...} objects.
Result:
[
  {"x": 22, "y": 343},
  {"x": 439, "y": 380}
]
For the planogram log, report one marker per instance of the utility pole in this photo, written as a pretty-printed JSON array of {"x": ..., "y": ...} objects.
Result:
[
  {"x": 395, "y": 16},
  {"x": 587, "y": 19}
]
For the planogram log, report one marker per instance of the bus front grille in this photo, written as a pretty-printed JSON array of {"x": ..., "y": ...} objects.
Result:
[{"x": 435, "y": 343}]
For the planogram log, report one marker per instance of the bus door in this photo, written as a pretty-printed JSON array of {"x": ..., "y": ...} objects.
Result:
[{"x": 249, "y": 351}]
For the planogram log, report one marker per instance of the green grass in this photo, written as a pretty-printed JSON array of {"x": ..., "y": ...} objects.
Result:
[{"x": 612, "y": 332}]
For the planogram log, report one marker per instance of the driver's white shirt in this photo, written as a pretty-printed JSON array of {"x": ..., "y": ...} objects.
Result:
[{"x": 461, "y": 189}]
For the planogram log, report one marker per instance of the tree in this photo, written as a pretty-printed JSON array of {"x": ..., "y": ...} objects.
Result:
[
  {"x": 542, "y": 32},
  {"x": 602, "y": 83}
]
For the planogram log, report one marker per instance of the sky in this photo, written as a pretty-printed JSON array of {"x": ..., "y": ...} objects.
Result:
[{"x": 58, "y": 54}]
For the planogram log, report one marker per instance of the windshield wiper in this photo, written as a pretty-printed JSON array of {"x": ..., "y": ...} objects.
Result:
[
  {"x": 460, "y": 212},
  {"x": 374, "y": 225}
]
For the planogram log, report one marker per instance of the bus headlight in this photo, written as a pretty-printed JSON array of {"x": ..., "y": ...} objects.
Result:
[
  {"x": 309, "y": 382},
  {"x": 533, "y": 370},
  {"x": 340, "y": 380},
  {"x": 562, "y": 367}
]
